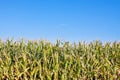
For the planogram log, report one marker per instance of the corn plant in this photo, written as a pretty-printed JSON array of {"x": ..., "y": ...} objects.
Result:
[{"x": 43, "y": 60}]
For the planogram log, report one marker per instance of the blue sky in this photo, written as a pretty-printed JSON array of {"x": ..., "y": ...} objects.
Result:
[{"x": 71, "y": 20}]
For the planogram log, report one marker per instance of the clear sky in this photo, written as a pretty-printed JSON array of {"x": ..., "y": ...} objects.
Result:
[{"x": 72, "y": 20}]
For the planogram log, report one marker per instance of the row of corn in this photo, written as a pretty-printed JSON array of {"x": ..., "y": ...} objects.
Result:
[{"x": 42, "y": 60}]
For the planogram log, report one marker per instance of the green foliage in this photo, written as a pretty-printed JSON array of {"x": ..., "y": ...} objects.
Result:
[{"x": 41, "y": 60}]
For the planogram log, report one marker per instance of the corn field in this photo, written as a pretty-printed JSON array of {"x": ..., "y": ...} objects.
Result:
[{"x": 43, "y": 60}]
